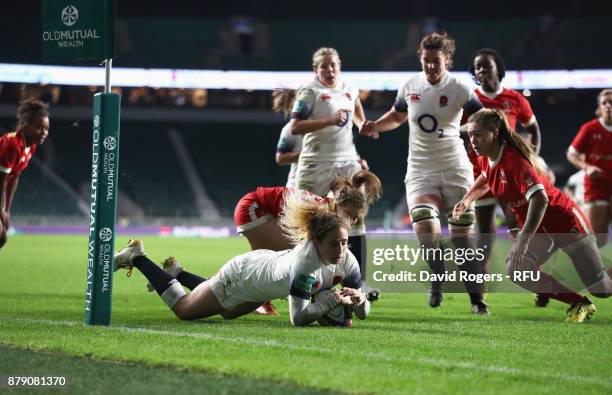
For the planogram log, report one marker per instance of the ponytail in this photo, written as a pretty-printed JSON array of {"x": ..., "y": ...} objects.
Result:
[
  {"x": 362, "y": 189},
  {"x": 282, "y": 100}
]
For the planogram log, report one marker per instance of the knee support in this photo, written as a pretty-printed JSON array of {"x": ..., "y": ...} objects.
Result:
[
  {"x": 423, "y": 212},
  {"x": 587, "y": 260},
  {"x": 465, "y": 220}
]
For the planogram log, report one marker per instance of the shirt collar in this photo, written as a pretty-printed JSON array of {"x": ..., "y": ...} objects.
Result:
[
  {"x": 491, "y": 95},
  {"x": 495, "y": 162},
  {"x": 607, "y": 127}
]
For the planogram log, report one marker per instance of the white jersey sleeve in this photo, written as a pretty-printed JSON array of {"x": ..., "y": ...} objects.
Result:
[{"x": 288, "y": 142}]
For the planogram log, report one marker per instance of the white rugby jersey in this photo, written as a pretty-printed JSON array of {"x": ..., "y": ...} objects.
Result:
[
  {"x": 316, "y": 101},
  {"x": 299, "y": 272},
  {"x": 288, "y": 142},
  {"x": 434, "y": 116}
]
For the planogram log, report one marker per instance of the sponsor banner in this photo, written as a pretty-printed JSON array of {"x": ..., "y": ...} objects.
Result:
[{"x": 78, "y": 29}]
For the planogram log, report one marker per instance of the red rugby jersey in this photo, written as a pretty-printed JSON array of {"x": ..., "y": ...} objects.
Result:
[
  {"x": 594, "y": 140},
  {"x": 14, "y": 155},
  {"x": 513, "y": 180},
  {"x": 271, "y": 199},
  {"x": 514, "y": 105}
]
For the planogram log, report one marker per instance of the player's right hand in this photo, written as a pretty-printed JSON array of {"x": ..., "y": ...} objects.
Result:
[{"x": 340, "y": 118}]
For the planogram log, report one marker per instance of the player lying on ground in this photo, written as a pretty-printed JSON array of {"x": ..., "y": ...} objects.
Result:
[
  {"x": 319, "y": 260},
  {"x": 257, "y": 213},
  {"x": 511, "y": 172}
]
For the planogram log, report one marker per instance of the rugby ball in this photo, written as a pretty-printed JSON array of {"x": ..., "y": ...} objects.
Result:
[{"x": 340, "y": 315}]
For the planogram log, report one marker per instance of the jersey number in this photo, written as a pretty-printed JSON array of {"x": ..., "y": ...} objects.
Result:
[{"x": 433, "y": 125}]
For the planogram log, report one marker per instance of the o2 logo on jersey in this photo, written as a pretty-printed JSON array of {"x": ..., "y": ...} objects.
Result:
[
  {"x": 346, "y": 121},
  {"x": 429, "y": 124}
]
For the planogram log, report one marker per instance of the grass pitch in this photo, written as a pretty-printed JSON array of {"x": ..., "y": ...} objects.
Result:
[{"x": 403, "y": 347}]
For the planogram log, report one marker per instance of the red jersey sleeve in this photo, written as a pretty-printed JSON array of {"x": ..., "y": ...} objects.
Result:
[
  {"x": 526, "y": 178},
  {"x": 525, "y": 112},
  {"x": 581, "y": 141},
  {"x": 9, "y": 156}
]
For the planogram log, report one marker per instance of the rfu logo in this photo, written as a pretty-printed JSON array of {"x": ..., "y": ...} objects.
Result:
[
  {"x": 70, "y": 15},
  {"x": 110, "y": 143},
  {"x": 105, "y": 234}
]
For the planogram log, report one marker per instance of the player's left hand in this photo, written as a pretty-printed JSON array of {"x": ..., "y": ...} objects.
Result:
[
  {"x": 343, "y": 298},
  {"x": 363, "y": 163}
]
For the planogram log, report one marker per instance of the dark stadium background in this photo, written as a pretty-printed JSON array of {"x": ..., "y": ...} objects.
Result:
[{"x": 230, "y": 136}]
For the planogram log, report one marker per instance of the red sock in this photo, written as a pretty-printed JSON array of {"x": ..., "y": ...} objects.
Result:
[{"x": 568, "y": 298}]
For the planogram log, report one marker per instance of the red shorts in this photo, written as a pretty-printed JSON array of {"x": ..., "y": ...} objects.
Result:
[
  {"x": 597, "y": 189},
  {"x": 566, "y": 227},
  {"x": 249, "y": 214}
]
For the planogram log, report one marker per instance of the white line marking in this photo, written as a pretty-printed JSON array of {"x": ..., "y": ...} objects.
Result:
[{"x": 374, "y": 355}]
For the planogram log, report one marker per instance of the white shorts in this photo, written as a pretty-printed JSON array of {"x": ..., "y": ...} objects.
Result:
[
  {"x": 316, "y": 177},
  {"x": 238, "y": 281},
  {"x": 227, "y": 285},
  {"x": 450, "y": 184}
]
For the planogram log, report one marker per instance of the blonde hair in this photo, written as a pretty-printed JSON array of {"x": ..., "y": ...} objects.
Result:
[
  {"x": 282, "y": 100},
  {"x": 30, "y": 109},
  {"x": 601, "y": 95},
  {"x": 304, "y": 218},
  {"x": 494, "y": 119},
  {"x": 324, "y": 51}
]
